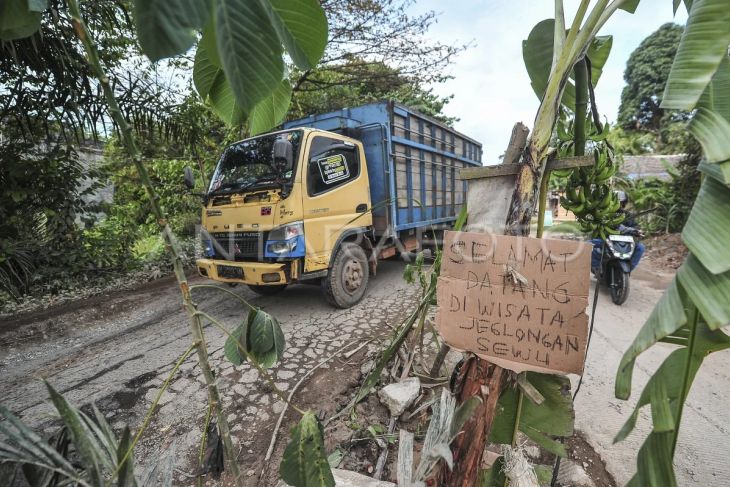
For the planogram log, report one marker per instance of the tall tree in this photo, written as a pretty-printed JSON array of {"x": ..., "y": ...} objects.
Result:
[
  {"x": 365, "y": 35},
  {"x": 380, "y": 81},
  {"x": 646, "y": 75},
  {"x": 46, "y": 86}
]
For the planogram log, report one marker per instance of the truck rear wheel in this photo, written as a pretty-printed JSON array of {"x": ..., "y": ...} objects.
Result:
[
  {"x": 267, "y": 290},
  {"x": 347, "y": 280}
]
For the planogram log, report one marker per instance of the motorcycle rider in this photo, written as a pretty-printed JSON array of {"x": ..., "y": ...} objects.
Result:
[{"x": 627, "y": 227}]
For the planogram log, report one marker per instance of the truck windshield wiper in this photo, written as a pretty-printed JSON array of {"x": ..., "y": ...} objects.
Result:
[{"x": 232, "y": 187}]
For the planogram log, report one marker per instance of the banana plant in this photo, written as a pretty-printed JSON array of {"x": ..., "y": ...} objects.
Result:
[
  {"x": 537, "y": 52},
  {"x": 694, "y": 310},
  {"x": 562, "y": 50}
]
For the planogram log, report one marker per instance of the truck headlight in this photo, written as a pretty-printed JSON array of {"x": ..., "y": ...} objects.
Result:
[
  {"x": 288, "y": 231},
  {"x": 286, "y": 241}
]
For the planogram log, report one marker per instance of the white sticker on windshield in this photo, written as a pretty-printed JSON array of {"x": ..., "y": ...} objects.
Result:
[{"x": 333, "y": 168}]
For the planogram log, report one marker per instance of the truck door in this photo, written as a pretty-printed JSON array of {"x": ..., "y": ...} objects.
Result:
[{"x": 336, "y": 193}]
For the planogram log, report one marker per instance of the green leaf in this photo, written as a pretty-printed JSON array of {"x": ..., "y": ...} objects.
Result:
[
  {"x": 234, "y": 342},
  {"x": 302, "y": 28},
  {"x": 654, "y": 462},
  {"x": 169, "y": 27},
  {"x": 224, "y": 102},
  {"x": 271, "y": 110},
  {"x": 544, "y": 441},
  {"x": 537, "y": 53},
  {"x": 719, "y": 90},
  {"x": 710, "y": 210},
  {"x": 262, "y": 339},
  {"x": 250, "y": 50},
  {"x": 212, "y": 86},
  {"x": 709, "y": 292},
  {"x": 504, "y": 418},
  {"x": 630, "y": 6},
  {"x": 661, "y": 413},
  {"x": 687, "y": 4},
  {"x": 719, "y": 171},
  {"x": 555, "y": 416},
  {"x": 666, "y": 318},
  {"x": 260, "y": 332},
  {"x": 29, "y": 448},
  {"x": 18, "y": 20},
  {"x": 86, "y": 446},
  {"x": 304, "y": 463},
  {"x": 712, "y": 131},
  {"x": 667, "y": 382},
  {"x": 126, "y": 471},
  {"x": 702, "y": 48}
]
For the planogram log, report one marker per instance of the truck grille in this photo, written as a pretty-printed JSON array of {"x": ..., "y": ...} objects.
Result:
[{"x": 238, "y": 245}]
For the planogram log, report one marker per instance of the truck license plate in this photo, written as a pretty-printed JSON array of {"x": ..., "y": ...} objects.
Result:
[{"x": 230, "y": 272}]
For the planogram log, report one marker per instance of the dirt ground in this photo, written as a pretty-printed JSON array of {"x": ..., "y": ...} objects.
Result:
[
  {"x": 665, "y": 252},
  {"x": 116, "y": 350}
]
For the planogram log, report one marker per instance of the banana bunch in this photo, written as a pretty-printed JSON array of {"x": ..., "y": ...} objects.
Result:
[{"x": 590, "y": 197}]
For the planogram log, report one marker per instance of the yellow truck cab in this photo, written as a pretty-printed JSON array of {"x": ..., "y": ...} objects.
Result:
[{"x": 322, "y": 200}]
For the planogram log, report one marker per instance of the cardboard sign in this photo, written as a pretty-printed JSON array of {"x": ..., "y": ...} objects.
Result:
[
  {"x": 519, "y": 302},
  {"x": 333, "y": 168}
]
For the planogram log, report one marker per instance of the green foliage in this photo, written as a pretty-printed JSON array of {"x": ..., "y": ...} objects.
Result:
[
  {"x": 644, "y": 126},
  {"x": 41, "y": 200},
  {"x": 259, "y": 338},
  {"x": 553, "y": 417},
  {"x": 304, "y": 463},
  {"x": 663, "y": 206},
  {"x": 45, "y": 52},
  {"x": 98, "y": 455},
  {"x": 18, "y": 19},
  {"x": 131, "y": 206},
  {"x": 166, "y": 28},
  {"x": 702, "y": 286},
  {"x": 537, "y": 53},
  {"x": 589, "y": 194},
  {"x": 245, "y": 34},
  {"x": 377, "y": 81},
  {"x": 646, "y": 75}
]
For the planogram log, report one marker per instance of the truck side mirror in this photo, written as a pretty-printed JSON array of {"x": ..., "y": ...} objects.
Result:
[
  {"x": 283, "y": 153},
  {"x": 188, "y": 178}
]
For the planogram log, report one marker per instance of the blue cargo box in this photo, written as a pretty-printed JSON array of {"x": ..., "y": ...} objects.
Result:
[{"x": 413, "y": 162}]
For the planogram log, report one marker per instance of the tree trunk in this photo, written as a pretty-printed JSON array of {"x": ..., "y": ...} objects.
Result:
[
  {"x": 581, "y": 107},
  {"x": 477, "y": 377}
]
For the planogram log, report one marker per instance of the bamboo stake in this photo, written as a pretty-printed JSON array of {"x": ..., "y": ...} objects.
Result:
[{"x": 170, "y": 242}]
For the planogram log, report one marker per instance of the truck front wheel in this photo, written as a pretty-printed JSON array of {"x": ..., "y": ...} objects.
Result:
[{"x": 347, "y": 280}]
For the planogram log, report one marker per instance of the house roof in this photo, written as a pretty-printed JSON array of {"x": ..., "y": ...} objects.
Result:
[{"x": 649, "y": 165}]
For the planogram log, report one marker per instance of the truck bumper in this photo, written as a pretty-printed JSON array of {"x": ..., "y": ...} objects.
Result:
[{"x": 256, "y": 273}]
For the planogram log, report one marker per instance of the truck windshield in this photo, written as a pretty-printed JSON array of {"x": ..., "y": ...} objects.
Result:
[{"x": 250, "y": 163}]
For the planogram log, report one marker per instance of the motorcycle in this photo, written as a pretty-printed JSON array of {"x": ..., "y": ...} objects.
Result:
[{"x": 615, "y": 266}]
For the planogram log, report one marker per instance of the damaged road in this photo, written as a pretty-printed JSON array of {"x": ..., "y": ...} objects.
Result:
[{"x": 116, "y": 351}]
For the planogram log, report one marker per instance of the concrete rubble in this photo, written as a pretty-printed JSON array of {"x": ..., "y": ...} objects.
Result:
[{"x": 397, "y": 397}]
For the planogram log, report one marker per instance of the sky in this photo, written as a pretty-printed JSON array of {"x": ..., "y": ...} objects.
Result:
[{"x": 490, "y": 86}]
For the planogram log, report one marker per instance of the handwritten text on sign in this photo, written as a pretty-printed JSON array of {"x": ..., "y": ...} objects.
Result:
[{"x": 518, "y": 301}]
